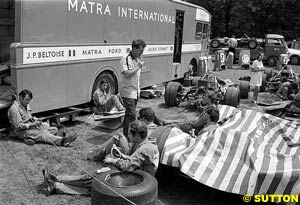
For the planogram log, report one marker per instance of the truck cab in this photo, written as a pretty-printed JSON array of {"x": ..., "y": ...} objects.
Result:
[{"x": 272, "y": 45}]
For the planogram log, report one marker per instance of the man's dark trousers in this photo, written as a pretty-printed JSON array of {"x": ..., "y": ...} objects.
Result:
[{"x": 130, "y": 113}]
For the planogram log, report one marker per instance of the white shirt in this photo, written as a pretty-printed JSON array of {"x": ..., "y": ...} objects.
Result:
[
  {"x": 130, "y": 87},
  {"x": 232, "y": 42}
]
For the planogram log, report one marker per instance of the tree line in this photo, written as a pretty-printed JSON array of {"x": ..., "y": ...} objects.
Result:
[{"x": 253, "y": 17}]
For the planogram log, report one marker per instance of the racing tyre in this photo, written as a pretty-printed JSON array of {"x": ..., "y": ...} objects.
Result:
[
  {"x": 272, "y": 61},
  {"x": 252, "y": 44},
  {"x": 137, "y": 186},
  {"x": 263, "y": 83},
  {"x": 268, "y": 72},
  {"x": 244, "y": 89},
  {"x": 232, "y": 96},
  {"x": 172, "y": 94},
  {"x": 294, "y": 60},
  {"x": 215, "y": 43}
]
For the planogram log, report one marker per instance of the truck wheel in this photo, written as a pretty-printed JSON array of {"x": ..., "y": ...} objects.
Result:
[
  {"x": 272, "y": 61},
  {"x": 232, "y": 96},
  {"x": 244, "y": 89},
  {"x": 268, "y": 72},
  {"x": 112, "y": 85},
  {"x": 172, "y": 94},
  {"x": 294, "y": 60},
  {"x": 215, "y": 43},
  {"x": 252, "y": 44},
  {"x": 137, "y": 186},
  {"x": 263, "y": 83}
]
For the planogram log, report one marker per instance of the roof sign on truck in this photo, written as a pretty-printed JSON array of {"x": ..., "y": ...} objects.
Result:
[
  {"x": 97, "y": 8},
  {"x": 202, "y": 15}
]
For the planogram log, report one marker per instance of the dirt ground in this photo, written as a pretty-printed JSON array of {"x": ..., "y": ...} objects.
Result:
[{"x": 21, "y": 180}]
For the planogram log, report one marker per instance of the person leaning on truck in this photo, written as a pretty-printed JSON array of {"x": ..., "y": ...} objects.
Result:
[
  {"x": 131, "y": 65},
  {"x": 105, "y": 102},
  {"x": 256, "y": 75},
  {"x": 30, "y": 129}
]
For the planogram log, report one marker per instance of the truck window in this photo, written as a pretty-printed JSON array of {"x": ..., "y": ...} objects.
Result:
[
  {"x": 199, "y": 31},
  {"x": 274, "y": 42},
  {"x": 205, "y": 31}
]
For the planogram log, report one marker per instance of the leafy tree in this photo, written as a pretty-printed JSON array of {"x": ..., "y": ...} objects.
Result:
[{"x": 253, "y": 17}]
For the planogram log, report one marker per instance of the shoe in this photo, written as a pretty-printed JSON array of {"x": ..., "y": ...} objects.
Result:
[
  {"x": 49, "y": 182},
  {"x": 66, "y": 141},
  {"x": 29, "y": 141}
]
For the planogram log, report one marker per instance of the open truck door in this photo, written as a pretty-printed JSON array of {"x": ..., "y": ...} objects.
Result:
[{"x": 178, "y": 43}]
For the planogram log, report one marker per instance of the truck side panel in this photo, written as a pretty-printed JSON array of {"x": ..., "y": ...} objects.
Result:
[
  {"x": 75, "y": 83},
  {"x": 85, "y": 23},
  {"x": 44, "y": 21},
  {"x": 50, "y": 85},
  {"x": 116, "y": 31}
]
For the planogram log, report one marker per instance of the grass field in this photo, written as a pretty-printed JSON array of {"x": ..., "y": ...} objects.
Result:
[{"x": 21, "y": 180}]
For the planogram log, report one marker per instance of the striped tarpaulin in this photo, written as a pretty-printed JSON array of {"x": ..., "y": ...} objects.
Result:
[{"x": 251, "y": 153}]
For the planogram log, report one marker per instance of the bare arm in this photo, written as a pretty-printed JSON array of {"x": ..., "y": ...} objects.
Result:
[{"x": 129, "y": 71}]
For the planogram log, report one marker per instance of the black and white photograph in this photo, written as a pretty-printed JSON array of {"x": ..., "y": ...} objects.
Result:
[{"x": 149, "y": 102}]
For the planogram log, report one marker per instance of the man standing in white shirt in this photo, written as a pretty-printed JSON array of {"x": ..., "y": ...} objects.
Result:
[
  {"x": 232, "y": 42},
  {"x": 131, "y": 65}
]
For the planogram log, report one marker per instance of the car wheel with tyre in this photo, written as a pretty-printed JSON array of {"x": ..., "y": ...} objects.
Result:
[
  {"x": 252, "y": 44},
  {"x": 272, "y": 61},
  {"x": 268, "y": 72},
  {"x": 215, "y": 43},
  {"x": 232, "y": 96},
  {"x": 112, "y": 85},
  {"x": 244, "y": 89},
  {"x": 173, "y": 94},
  {"x": 263, "y": 84},
  {"x": 294, "y": 60},
  {"x": 114, "y": 186}
]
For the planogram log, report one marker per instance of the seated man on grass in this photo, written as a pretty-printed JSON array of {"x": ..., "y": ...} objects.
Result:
[
  {"x": 29, "y": 129},
  {"x": 141, "y": 153},
  {"x": 105, "y": 102}
]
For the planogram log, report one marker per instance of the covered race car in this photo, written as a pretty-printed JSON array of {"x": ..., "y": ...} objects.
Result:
[{"x": 251, "y": 153}]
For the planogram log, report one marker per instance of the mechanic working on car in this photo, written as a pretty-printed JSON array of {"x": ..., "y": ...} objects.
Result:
[
  {"x": 30, "y": 129},
  {"x": 287, "y": 90},
  {"x": 141, "y": 153},
  {"x": 105, "y": 102}
]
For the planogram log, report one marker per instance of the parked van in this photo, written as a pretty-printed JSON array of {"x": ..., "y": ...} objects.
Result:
[{"x": 273, "y": 45}]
